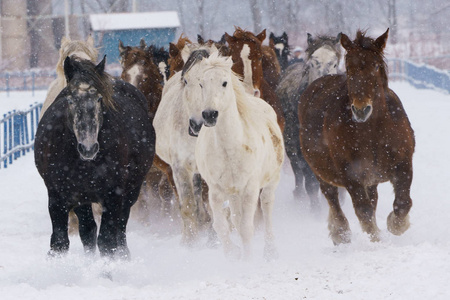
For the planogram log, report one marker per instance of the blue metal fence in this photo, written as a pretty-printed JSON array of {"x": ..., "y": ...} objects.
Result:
[
  {"x": 17, "y": 130},
  {"x": 419, "y": 75},
  {"x": 26, "y": 81}
]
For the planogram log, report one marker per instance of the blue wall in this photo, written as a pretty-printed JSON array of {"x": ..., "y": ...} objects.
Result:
[{"x": 108, "y": 41}]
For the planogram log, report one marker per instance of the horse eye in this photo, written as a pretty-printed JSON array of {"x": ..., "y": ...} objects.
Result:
[
  {"x": 185, "y": 82},
  {"x": 224, "y": 84},
  {"x": 100, "y": 99},
  {"x": 200, "y": 85}
]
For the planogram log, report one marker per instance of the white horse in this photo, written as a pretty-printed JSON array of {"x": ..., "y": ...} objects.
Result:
[
  {"x": 239, "y": 152},
  {"x": 75, "y": 49},
  {"x": 176, "y": 147}
]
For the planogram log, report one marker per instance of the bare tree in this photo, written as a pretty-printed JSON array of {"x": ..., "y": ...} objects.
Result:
[{"x": 256, "y": 15}]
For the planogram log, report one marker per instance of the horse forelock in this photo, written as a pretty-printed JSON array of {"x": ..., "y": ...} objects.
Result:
[
  {"x": 194, "y": 57},
  {"x": 87, "y": 76},
  {"x": 364, "y": 43}
]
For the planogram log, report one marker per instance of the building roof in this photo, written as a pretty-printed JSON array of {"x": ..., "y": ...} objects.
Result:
[{"x": 121, "y": 21}]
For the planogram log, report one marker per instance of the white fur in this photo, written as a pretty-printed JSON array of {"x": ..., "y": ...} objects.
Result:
[
  {"x": 322, "y": 62},
  {"x": 134, "y": 72},
  {"x": 248, "y": 74},
  {"x": 240, "y": 157},
  {"x": 177, "y": 148}
]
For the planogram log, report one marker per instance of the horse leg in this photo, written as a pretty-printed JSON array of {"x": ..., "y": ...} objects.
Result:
[
  {"x": 221, "y": 224},
  {"x": 267, "y": 198},
  {"x": 87, "y": 227},
  {"x": 243, "y": 210},
  {"x": 337, "y": 222},
  {"x": 188, "y": 206},
  {"x": 59, "y": 215},
  {"x": 398, "y": 219},
  {"x": 212, "y": 236},
  {"x": 201, "y": 190},
  {"x": 292, "y": 146},
  {"x": 311, "y": 183},
  {"x": 364, "y": 202},
  {"x": 107, "y": 237}
]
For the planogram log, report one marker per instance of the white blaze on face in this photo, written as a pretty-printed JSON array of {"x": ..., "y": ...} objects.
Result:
[
  {"x": 323, "y": 62},
  {"x": 134, "y": 72},
  {"x": 280, "y": 48},
  {"x": 162, "y": 69},
  {"x": 248, "y": 74}
]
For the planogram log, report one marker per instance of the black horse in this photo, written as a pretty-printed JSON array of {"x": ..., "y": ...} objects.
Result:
[
  {"x": 281, "y": 46},
  {"x": 95, "y": 143}
]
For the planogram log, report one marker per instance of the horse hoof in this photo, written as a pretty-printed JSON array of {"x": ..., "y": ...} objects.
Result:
[
  {"x": 396, "y": 225},
  {"x": 341, "y": 237},
  {"x": 232, "y": 252},
  {"x": 56, "y": 254}
]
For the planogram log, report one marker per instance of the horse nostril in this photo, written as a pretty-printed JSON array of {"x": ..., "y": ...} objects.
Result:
[
  {"x": 367, "y": 110},
  {"x": 81, "y": 148},
  {"x": 210, "y": 115}
]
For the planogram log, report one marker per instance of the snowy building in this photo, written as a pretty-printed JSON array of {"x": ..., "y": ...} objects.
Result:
[{"x": 156, "y": 28}]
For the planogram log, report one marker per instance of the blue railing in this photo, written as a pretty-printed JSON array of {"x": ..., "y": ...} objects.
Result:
[
  {"x": 419, "y": 75},
  {"x": 17, "y": 130}
]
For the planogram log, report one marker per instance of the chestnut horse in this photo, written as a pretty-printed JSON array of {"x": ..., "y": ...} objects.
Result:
[
  {"x": 139, "y": 69},
  {"x": 355, "y": 133},
  {"x": 177, "y": 57},
  {"x": 258, "y": 65}
]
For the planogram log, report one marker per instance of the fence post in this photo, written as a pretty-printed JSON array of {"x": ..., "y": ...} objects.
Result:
[
  {"x": 5, "y": 141},
  {"x": 33, "y": 78}
]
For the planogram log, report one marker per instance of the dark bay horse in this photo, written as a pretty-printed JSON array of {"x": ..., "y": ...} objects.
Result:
[
  {"x": 322, "y": 57},
  {"x": 355, "y": 133},
  {"x": 95, "y": 143}
]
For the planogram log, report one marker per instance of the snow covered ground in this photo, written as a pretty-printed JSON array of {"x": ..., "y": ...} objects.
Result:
[{"x": 415, "y": 265}]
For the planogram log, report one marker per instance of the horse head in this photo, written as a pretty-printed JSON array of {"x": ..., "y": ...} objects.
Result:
[
  {"x": 137, "y": 65},
  {"x": 88, "y": 88},
  {"x": 214, "y": 77},
  {"x": 280, "y": 45},
  {"x": 177, "y": 54},
  {"x": 366, "y": 72},
  {"x": 246, "y": 52},
  {"x": 323, "y": 56},
  {"x": 192, "y": 91}
]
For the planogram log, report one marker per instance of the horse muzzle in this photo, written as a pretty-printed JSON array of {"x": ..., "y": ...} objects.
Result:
[
  {"x": 194, "y": 127},
  {"x": 88, "y": 153},
  {"x": 210, "y": 117},
  {"x": 361, "y": 115}
]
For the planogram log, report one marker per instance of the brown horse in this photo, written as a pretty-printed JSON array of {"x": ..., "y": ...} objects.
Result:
[
  {"x": 258, "y": 65},
  {"x": 139, "y": 69},
  {"x": 355, "y": 133}
]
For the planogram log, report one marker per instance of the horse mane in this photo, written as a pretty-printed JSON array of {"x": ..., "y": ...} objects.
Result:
[
  {"x": 103, "y": 82},
  {"x": 158, "y": 54},
  {"x": 320, "y": 41},
  {"x": 70, "y": 46},
  {"x": 196, "y": 56}
]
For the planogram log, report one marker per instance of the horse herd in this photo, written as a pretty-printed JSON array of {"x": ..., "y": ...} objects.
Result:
[{"x": 209, "y": 124}]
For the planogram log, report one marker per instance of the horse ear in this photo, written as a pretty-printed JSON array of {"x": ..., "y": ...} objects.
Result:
[
  {"x": 310, "y": 39},
  {"x": 230, "y": 39},
  {"x": 261, "y": 36},
  {"x": 69, "y": 69},
  {"x": 142, "y": 44},
  {"x": 121, "y": 47},
  {"x": 380, "y": 42},
  {"x": 200, "y": 40},
  {"x": 338, "y": 38},
  {"x": 345, "y": 42},
  {"x": 90, "y": 41},
  {"x": 271, "y": 36},
  {"x": 222, "y": 39},
  {"x": 173, "y": 50},
  {"x": 100, "y": 68},
  {"x": 284, "y": 36}
]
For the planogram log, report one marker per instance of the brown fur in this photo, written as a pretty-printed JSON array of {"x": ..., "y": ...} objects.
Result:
[
  {"x": 358, "y": 155},
  {"x": 176, "y": 62}
]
